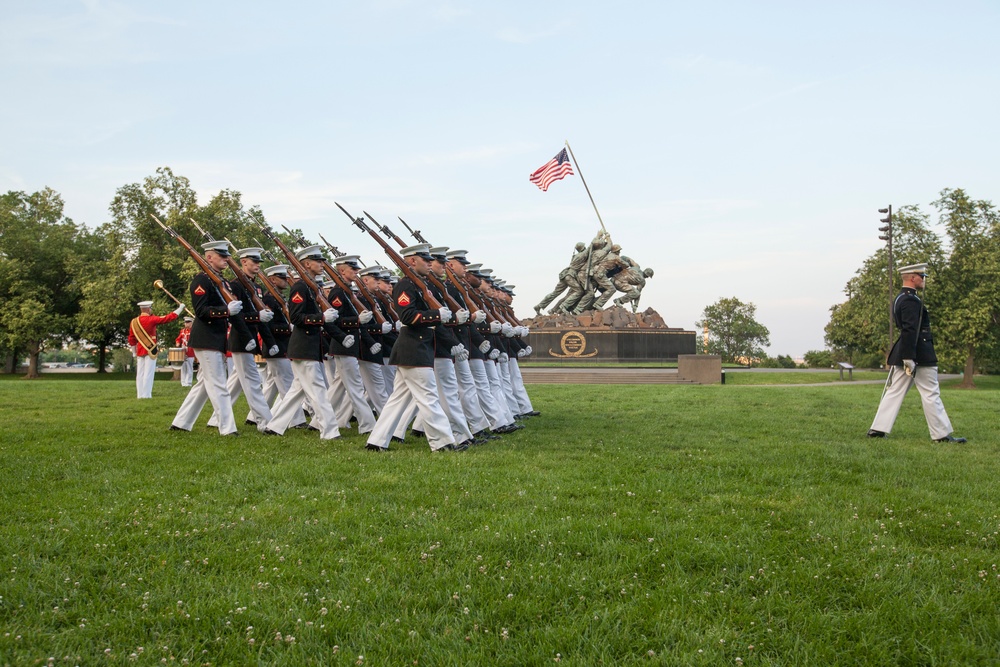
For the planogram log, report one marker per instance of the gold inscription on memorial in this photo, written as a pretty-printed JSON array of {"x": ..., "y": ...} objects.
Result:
[{"x": 573, "y": 344}]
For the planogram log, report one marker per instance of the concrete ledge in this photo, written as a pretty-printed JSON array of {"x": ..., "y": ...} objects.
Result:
[{"x": 700, "y": 368}]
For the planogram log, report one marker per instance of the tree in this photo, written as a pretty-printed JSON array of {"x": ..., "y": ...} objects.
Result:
[
  {"x": 966, "y": 294},
  {"x": 733, "y": 332},
  {"x": 38, "y": 296}
]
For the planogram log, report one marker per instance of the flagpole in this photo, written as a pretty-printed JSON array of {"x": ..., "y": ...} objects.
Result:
[{"x": 580, "y": 171}]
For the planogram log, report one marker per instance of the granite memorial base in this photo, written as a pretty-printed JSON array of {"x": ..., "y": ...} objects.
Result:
[{"x": 614, "y": 335}]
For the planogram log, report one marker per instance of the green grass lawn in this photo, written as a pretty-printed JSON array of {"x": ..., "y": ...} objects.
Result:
[{"x": 627, "y": 525}]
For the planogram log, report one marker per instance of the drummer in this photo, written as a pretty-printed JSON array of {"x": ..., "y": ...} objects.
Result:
[{"x": 187, "y": 353}]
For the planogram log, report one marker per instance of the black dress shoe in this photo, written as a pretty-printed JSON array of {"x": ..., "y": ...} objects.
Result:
[
  {"x": 872, "y": 433},
  {"x": 268, "y": 431},
  {"x": 178, "y": 428},
  {"x": 460, "y": 447},
  {"x": 395, "y": 438},
  {"x": 250, "y": 422},
  {"x": 418, "y": 434},
  {"x": 375, "y": 448},
  {"x": 234, "y": 434},
  {"x": 533, "y": 413},
  {"x": 949, "y": 438}
]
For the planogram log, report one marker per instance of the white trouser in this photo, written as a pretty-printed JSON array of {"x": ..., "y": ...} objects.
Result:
[
  {"x": 389, "y": 373},
  {"x": 517, "y": 384},
  {"x": 896, "y": 386},
  {"x": 496, "y": 386},
  {"x": 230, "y": 367},
  {"x": 211, "y": 386},
  {"x": 470, "y": 397},
  {"x": 487, "y": 401},
  {"x": 347, "y": 387},
  {"x": 247, "y": 379},
  {"x": 374, "y": 382},
  {"x": 278, "y": 378},
  {"x": 309, "y": 385},
  {"x": 145, "y": 369},
  {"x": 503, "y": 370},
  {"x": 447, "y": 385},
  {"x": 187, "y": 371},
  {"x": 413, "y": 385}
]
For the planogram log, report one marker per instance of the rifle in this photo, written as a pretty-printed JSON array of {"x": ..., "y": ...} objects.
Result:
[
  {"x": 448, "y": 298},
  {"x": 341, "y": 283},
  {"x": 477, "y": 301},
  {"x": 304, "y": 275},
  {"x": 407, "y": 270},
  {"x": 200, "y": 261},
  {"x": 235, "y": 268},
  {"x": 365, "y": 292}
]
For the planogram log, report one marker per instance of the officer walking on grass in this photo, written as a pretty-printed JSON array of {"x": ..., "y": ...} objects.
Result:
[{"x": 912, "y": 362}]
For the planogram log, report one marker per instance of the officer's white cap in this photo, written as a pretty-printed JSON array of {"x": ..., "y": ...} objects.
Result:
[
  {"x": 418, "y": 250},
  {"x": 221, "y": 247},
  {"x": 310, "y": 252},
  {"x": 145, "y": 304},
  {"x": 370, "y": 271},
  {"x": 276, "y": 270},
  {"x": 350, "y": 260},
  {"x": 914, "y": 268},
  {"x": 250, "y": 253}
]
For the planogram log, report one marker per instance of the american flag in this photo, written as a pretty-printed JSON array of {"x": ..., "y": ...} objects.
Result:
[{"x": 555, "y": 169}]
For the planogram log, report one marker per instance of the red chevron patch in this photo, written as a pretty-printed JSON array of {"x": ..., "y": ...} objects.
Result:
[
  {"x": 337, "y": 303},
  {"x": 297, "y": 298},
  {"x": 199, "y": 291},
  {"x": 404, "y": 299}
]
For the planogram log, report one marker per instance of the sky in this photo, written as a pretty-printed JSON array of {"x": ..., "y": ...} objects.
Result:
[{"x": 738, "y": 149}]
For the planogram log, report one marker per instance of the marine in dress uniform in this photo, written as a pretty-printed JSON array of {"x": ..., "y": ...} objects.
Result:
[
  {"x": 245, "y": 342},
  {"x": 371, "y": 362},
  {"x": 413, "y": 356},
  {"x": 142, "y": 339},
  {"x": 347, "y": 390},
  {"x": 912, "y": 361},
  {"x": 187, "y": 366},
  {"x": 208, "y": 338},
  {"x": 306, "y": 349}
]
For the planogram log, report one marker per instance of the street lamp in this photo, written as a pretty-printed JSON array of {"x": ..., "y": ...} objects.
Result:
[{"x": 886, "y": 235}]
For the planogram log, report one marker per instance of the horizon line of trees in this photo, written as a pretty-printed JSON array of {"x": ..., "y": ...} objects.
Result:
[{"x": 62, "y": 282}]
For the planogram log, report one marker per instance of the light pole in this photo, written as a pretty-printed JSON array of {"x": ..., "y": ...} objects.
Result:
[{"x": 886, "y": 230}]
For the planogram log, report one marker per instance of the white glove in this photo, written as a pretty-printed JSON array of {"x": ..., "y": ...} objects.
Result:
[
  {"x": 330, "y": 315},
  {"x": 376, "y": 348},
  {"x": 445, "y": 315},
  {"x": 910, "y": 366},
  {"x": 462, "y": 356},
  {"x": 507, "y": 330},
  {"x": 479, "y": 317},
  {"x": 179, "y": 309},
  {"x": 386, "y": 327},
  {"x": 135, "y": 352},
  {"x": 457, "y": 349},
  {"x": 495, "y": 327},
  {"x": 503, "y": 358},
  {"x": 266, "y": 315},
  {"x": 399, "y": 325},
  {"x": 528, "y": 350},
  {"x": 484, "y": 347},
  {"x": 524, "y": 331},
  {"x": 365, "y": 316},
  {"x": 251, "y": 346},
  {"x": 494, "y": 353},
  {"x": 235, "y": 307},
  {"x": 273, "y": 351},
  {"x": 521, "y": 353},
  {"x": 462, "y": 316},
  {"x": 348, "y": 341}
]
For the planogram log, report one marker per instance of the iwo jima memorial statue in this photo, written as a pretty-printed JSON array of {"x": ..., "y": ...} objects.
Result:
[{"x": 577, "y": 327}]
